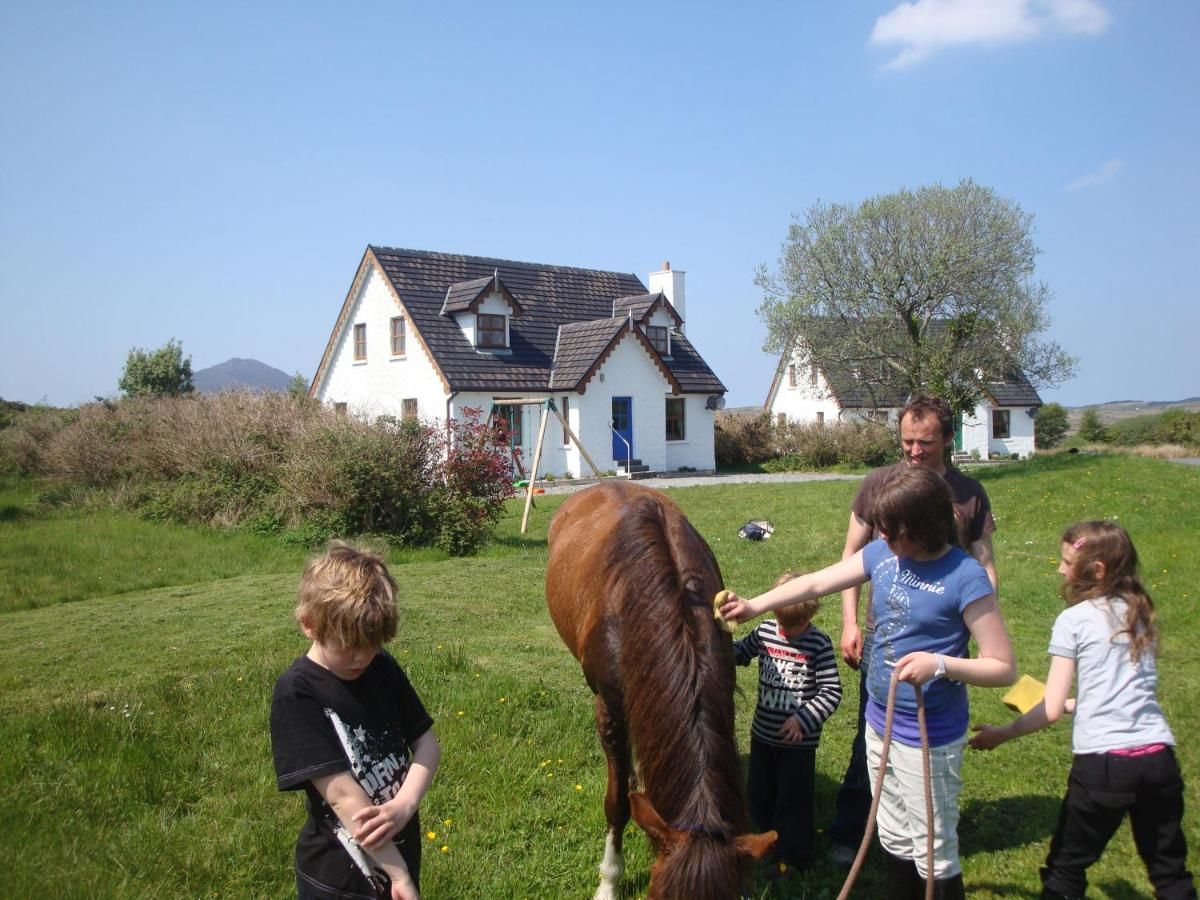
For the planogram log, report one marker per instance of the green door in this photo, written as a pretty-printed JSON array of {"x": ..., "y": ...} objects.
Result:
[{"x": 957, "y": 432}]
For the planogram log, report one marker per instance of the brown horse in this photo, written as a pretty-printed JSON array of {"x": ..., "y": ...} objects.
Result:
[{"x": 630, "y": 586}]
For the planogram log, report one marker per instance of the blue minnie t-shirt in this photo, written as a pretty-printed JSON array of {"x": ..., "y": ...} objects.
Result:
[{"x": 918, "y": 605}]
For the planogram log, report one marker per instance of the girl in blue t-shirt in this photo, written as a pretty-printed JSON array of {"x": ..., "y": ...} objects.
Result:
[
  {"x": 1105, "y": 641},
  {"x": 929, "y": 598}
]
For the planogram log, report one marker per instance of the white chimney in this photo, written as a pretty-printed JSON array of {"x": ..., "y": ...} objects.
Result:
[{"x": 670, "y": 283}]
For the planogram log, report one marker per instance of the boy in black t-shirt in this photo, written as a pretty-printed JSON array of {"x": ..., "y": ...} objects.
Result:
[{"x": 348, "y": 729}]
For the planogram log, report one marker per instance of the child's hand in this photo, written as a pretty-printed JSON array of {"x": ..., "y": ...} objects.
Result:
[
  {"x": 852, "y": 645},
  {"x": 404, "y": 889},
  {"x": 791, "y": 731},
  {"x": 917, "y": 668},
  {"x": 987, "y": 737},
  {"x": 735, "y": 609},
  {"x": 379, "y": 824}
]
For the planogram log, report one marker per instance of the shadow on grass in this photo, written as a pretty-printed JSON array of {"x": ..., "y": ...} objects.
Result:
[
  {"x": 986, "y": 826},
  {"x": 1118, "y": 889},
  {"x": 10, "y": 512}
]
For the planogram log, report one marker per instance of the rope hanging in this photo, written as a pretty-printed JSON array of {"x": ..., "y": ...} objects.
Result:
[{"x": 875, "y": 795}]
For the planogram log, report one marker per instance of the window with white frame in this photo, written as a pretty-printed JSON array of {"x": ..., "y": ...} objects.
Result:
[
  {"x": 491, "y": 331},
  {"x": 360, "y": 341},
  {"x": 676, "y": 430},
  {"x": 397, "y": 335},
  {"x": 791, "y": 376},
  {"x": 566, "y": 414},
  {"x": 408, "y": 408}
]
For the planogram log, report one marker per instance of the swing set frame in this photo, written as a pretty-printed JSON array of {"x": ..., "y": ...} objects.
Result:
[{"x": 547, "y": 406}]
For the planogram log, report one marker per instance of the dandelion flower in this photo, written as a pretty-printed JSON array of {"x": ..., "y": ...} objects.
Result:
[
  {"x": 432, "y": 835},
  {"x": 579, "y": 787},
  {"x": 445, "y": 849}
]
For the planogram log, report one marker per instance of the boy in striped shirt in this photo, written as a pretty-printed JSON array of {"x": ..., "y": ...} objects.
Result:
[{"x": 798, "y": 689}]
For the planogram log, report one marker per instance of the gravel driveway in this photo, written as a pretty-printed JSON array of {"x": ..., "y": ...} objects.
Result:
[{"x": 697, "y": 480}]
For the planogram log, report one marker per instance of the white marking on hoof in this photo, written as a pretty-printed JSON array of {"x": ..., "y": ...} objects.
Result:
[{"x": 612, "y": 867}]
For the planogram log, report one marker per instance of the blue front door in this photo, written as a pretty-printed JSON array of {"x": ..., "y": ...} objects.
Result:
[{"x": 622, "y": 423}]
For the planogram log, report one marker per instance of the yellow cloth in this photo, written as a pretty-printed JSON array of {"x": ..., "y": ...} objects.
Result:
[{"x": 1025, "y": 694}]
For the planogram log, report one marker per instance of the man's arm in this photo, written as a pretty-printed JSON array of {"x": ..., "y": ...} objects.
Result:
[
  {"x": 982, "y": 551},
  {"x": 858, "y": 535},
  {"x": 346, "y": 797}
]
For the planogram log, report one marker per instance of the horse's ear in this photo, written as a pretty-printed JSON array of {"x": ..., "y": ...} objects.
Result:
[
  {"x": 660, "y": 833},
  {"x": 755, "y": 846}
]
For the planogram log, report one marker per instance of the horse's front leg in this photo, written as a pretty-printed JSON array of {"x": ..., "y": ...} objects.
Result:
[{"x": 610, "y": 727}]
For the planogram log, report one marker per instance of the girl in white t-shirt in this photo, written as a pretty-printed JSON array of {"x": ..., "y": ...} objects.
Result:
[{"x": 1124, "y": 751}]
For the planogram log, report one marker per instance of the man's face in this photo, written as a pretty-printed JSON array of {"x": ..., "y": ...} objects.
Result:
[{"x": 922, "y": 442}]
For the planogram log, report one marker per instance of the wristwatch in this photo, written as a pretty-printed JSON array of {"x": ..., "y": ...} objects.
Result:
[{"x": 941, "y": 669}]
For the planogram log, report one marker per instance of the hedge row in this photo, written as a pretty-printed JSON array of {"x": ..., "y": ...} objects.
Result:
[
  {"x": 273, "y": 463},
  {"x": 743, "y": 439}
]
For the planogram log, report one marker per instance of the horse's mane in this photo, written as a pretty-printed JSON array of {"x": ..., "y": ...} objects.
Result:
[{"x": 677, "y": 669}]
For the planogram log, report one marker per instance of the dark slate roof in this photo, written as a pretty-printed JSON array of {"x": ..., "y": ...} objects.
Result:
[
  {"x": 642, "y": 305},
  {"x": 847, "y": 387},
  {"x": 462, "y": 294},
  {"x": 580, "y": 344},
  {"x": 1015, "y": 390},
  {"x": 550, "y": 297}
]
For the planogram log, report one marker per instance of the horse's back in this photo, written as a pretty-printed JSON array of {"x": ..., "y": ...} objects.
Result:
[{"x": 580, "y": 539}]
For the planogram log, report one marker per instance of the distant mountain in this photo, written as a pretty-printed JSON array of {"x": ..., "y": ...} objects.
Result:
[
  {"x": 1116, "y": 410},
  {"x": 240, "y": 374}
]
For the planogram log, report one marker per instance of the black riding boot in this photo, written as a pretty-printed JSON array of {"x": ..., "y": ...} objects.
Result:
[
  {"x": 1048, "y": 894},
  {"x": 948, "y": 888},
  {"x": 903, "y": 880}
]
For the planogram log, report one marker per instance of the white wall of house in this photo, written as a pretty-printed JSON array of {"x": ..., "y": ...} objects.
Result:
[
  {"x": 980, "y": 432},
  {"x": 696, "y": 450},
  {"x": 379, "y": 384},
  {"x": 807, "y": 400}
]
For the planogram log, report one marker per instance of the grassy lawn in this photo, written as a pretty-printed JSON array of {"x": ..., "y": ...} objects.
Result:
[{"x": 138, "y": 660}]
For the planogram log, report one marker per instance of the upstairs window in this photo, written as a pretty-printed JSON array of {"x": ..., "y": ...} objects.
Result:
[
  {"x": 398, "y": 336},
  {"x": 659, "y": 339},
  {"x": 1000, "y": 423},
  {"x": 360, "y": 341},
  {"x": 491, "y": 331},
  {"x": 675, "y": 421},
  {"x": 791, "y": 376}
]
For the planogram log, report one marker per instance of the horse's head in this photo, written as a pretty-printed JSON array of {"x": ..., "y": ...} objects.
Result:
[{"x": 696, "y": 863}]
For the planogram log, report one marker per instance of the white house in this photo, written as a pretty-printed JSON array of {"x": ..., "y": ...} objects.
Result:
[
  {"x": 431, "y": 335},
  {"x": 1001, "y": 425}
]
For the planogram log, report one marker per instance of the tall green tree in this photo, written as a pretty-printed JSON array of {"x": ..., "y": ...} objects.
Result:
[
  {"x": 164, "y": 372},
  {"x": 1050, "y": 426},
  {"x": 929, "y": 290},
  {"x": 1091, "y": 429}
]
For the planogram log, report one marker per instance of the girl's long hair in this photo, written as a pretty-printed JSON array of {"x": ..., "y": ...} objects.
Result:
[{"x": 1108, "y": 543}]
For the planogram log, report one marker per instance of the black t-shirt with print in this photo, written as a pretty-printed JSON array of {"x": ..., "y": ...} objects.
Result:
[{"x": 322, "y": 725}]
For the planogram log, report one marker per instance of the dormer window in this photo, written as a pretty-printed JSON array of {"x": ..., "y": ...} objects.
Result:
[
  {"x": 659, "y": 338},
  {"x": 491, "y": 331}
]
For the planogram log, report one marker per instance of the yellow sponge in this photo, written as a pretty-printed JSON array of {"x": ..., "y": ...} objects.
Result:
[
  {"x": 721, "y": 597},
  {"x": 1025, "y": 694}
]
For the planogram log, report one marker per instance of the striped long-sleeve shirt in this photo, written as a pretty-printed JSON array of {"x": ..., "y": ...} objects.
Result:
[{"x": 797, "y": 675}]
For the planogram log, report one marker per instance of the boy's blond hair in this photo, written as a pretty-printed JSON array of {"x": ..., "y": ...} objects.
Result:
[
  {"x": 348, "y": 598},
  {"x": 795, "y": 615}
]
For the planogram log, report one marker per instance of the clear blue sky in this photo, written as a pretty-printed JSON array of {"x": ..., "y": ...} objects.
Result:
[{"x": 213, "y": 171}]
